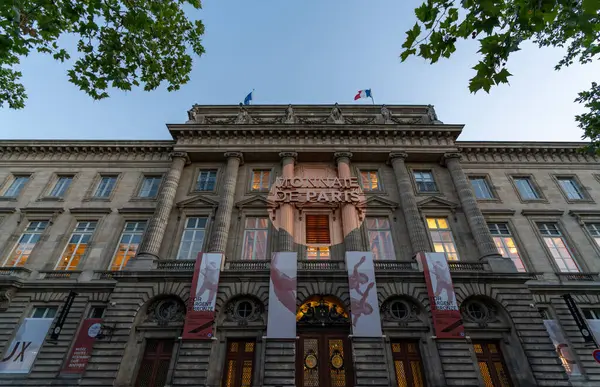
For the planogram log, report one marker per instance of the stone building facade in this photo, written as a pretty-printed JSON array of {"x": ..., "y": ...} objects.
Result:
[{"x": 121, "y": 222}]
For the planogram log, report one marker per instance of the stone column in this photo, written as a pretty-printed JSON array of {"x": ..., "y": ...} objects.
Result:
[
  {"x": 220, "y": 231},
  {"x": 414, "y": 223},
  {"x": 286, "y": 213},
  {"x": 350, "y": 222},
  {"x": 150, "y": 246}
]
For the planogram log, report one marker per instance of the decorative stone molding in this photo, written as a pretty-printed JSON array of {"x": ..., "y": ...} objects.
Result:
[
  {"x": 90, "y": 210},
  {"x": 51, "y": 212},
  {"x": 183, "y": 155},
  {"x": 398, "y": 155},
  {"x": 243, "y": 310},
  {"x": 542, "y": 212},
  {"x": 285, "y": 155},
  {"x": 400, "y": 310},
  {"x": 525, "y": 152},
  {"x": 238, "y": 155},
  {"x": 343, "y": 157},
  {"x": 449, "y": 156},
  {"x": 165, "y": 311}
]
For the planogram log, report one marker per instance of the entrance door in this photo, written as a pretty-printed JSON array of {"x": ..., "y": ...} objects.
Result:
[
  {"x": 155, "y": 363},
  {"x": 324, "y": 360},
  {"x": 239, "y": 363},
  {"x": 491, "y": 364}
]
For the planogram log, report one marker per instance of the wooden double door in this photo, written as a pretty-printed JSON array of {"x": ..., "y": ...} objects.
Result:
[
  {"x": 154, "y": 368},
  {"x": 324, "y": 359}
]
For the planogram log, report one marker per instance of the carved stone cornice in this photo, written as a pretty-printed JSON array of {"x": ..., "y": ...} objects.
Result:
[
  {"x": 183, "y": 155},
  {"x": 525, "y": 152}
]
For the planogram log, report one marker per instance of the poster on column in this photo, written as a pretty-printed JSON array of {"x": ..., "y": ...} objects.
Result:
[
  {"x": 82, "y": 349},
  {"x": 447, "y": 320},
  {"x": 364, "y": 305},
  {"x": 281, "y": 323},
  {"x": 200, "y": 316},
  {"x": 563, "y": 350},
  {"x": 22, "y": 351}
]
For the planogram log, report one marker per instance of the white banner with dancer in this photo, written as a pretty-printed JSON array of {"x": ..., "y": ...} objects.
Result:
[
  {"x": 364, "y": 306},
  {"x": 563, "y": 349},
  {"x": 21, "y": 353},
  {"x": 281, "y": 323}
]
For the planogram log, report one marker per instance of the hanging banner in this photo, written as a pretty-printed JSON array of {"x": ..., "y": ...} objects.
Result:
[
  {"x": 563, "y": 350},
  {"x": 447, "y": 320},
  {"x": 364, "y": 305},
  {"x": 201, "y": 308},
  {"x": 82, "y": 349},
  {"x": 62, "y": 316},
  {"x": 281, "y": 323},
  {"x": 579, "y": 320},
  {"x": 21, "y": 353},
  {"x": 595, "y": 328}
]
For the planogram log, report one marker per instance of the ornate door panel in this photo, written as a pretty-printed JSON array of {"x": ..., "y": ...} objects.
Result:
[
  {"x": 324, "y": 360},
  {"x": 491, "y": 364},
  {"x": 239, "y": 364},
  {"x": 155, "y": 363},
  {"x": 408, "y": 366}
]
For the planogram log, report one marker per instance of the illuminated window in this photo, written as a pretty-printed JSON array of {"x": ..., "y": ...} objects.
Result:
[
  {"x": 505, "y": 244},
  {"x": 23, "y": 248},
  {"x": 425, "y": 181},
  {"x": 239, "y": 363},
  {"x": 261, "y": 180},
  {"x": 255, "y": 238},
  {"x": 77, "y": 246},
  {"x": 491, "y": 364},
  {"x": 408, "y": 365},
  {"x": 192, "y": 239},
  {"x": 207, "y": 180},
  {"x": 44, "y": 312},
  {"x": 526, "y": 188},
  {"x": 61, "y": 186},
  {"x": 442, "y": 239},
  {"x": 15, "y": 186},
  {"x": 131, "y": 237},
  {"x": 594, "y": 230},
  {"x": 571, "y": 188},
  {"x": 105, "y": 187},
  {"x": 557, "y": 245},
  {"x": 318, "y": 238},
  {"x": 149, "y": 187},
  {"x": 481, "y": 187},
  {"x": 370, "y": 181},
  {"x": 380, "y": 238}
]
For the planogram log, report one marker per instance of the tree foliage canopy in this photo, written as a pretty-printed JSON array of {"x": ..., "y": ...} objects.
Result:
[
  {"x": 501, "y": 26},
  {"x": 120, "y": 43}
]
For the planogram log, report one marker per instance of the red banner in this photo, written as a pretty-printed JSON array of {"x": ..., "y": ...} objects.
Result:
[
  {"x": 447, "y": 320},
  {"x": 82, "y": 350},
  {"x": 203, "y": 297}
]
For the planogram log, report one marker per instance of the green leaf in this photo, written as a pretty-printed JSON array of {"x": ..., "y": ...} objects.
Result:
[
  {"x": 411, "y": 36},
  {"x": 424, "y": 12},
  {"x": 502, "y": 76},
  {"x": 406, "y": 53}
]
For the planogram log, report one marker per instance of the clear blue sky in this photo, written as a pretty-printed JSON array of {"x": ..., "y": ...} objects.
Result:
[{"x": 315, "y": 52}]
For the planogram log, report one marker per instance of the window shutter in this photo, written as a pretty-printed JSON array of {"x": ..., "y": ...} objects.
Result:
[{"x": 317, "y": 229}]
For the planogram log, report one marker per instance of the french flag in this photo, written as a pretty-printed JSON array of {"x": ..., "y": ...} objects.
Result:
[{"x": 363, "y": 94}]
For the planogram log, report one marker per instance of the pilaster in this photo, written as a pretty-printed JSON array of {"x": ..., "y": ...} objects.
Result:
[
  {"x": 350, "y": 222},
  {"x": 286, "y": 224}
]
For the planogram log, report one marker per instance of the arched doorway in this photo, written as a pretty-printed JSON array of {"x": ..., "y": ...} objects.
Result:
[{"x": 324, "y": 354}]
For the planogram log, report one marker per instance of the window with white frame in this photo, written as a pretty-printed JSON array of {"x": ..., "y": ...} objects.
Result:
[
  {"x": 130, "y": 240},
  {"x": 207, "y": 180},
  {"x": 255, "y": 237},
  {"x": 526, "y": 188},
  {"x": 571, "y": 188},
  {"x": 44, "y": 312},
  {"x": 506, "y": 244},
  {"x": 594, "y": 230},
  {"x": 318, "y": 237},
  {"x": 23, "y": 248},
  {"x": 192, "y": 239},
  {"x": 441, "y": 236},
  {"x": 105, "y": 186},
  {"x": 557, "y": 245},
  {"x": 61, "y": 186},
  {"x": 370, "y": 180},
  {"x": 425, "y": 181},
  {"x": 77, "y": 246},
  {"x": 150, "y": 186},
  {"x": 14, "y": 187},
  {"x": 261, "y": 180},
  {"x": 481, "y": 187},
  {"x": 380, "y": 238}
]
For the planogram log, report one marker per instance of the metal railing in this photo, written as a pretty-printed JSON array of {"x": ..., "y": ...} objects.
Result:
[
  {"x": 175, "y": 265},
  {"x": 578, "y": 276},
  {"x": 59, "y": 274},
  {"x": 396, "y": 265},
  {"x": 246, "y": 265},
  {"x": 466, "y": 266},
  {"x": 321, "y": 265}
]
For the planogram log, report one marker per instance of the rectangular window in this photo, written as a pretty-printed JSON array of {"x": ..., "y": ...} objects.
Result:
[
  {"x": 131, "y": 237},
  {"x": 571, "y": 188},
  {"x": 491, "y": 364},
  {"x": 318, "y": 239},
  {"x": 261, "y": 180},
  {"x": 408, "y": 365},
  {"x": 239, "y": 363},
  {"x": 380, "y": 238},
  {"x": 481, "y": 187},
  {"x": 526, "y": 188},
  {"x": 370, "y": 181},
  {"x": 557, "y": 245},
  {"x": 105, "y": 187},
  {"x": 150, "y": 185},
  {"x": 192, "y": 239},
  {"x": 16, "y": 185},
  {"x": 207, "y": 180},
  {"x": 20, "y": 253},
  {"x": 591, "y": 314},
  {"x": 255, "y": 238},
  {"x": 61, "y": 186},
  {"x": 506, "y": 244},
  {"x": 77, "y": 246},
  {"x": 594, "y": 230},
  {"x": 442, "y": 239},
  {"x": 44, "y": 312},
  {"x": 425, "y": 181},
  {"x": 97, "y": 312}
]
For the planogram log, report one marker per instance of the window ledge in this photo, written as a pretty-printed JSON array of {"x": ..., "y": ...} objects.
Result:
[
  {"x": 548, "y": 212},
  {"x": 51, "y": 199},
  {"x": 141, "y": 199},
  {"x": 8, "y": 198}
]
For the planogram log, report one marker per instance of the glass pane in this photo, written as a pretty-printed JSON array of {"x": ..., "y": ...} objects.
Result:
[
  {"x": 39, "y": 312},
  {"x": 443, "y": 223},
  {"x": 431, "y": 223}
]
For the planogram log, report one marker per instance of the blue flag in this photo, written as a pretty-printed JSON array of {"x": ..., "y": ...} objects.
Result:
[{"x": 248, "y": 98}]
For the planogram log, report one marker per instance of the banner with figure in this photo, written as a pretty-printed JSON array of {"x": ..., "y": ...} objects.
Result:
[
  {"x": 203, "y": 297},
  {"x": 281, "y": 323},
  {"x": 21, "y": 353},
  {"x": 82, "y": 349},
  {"x": 563, "y": 350},
  {"x": 364, "y": 305},
  {"x": 447, "y": 320}
]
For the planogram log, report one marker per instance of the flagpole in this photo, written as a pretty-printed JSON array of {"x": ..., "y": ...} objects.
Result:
[{"x": 252, "y": 100}]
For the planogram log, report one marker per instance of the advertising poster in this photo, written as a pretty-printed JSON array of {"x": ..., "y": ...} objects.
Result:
[
  {"x": 281, "y": 323},
  {"x": 22, "y": 351},
  {"x": 62, "y": 317},
  {"x": 201, "y": 309},
  {"x": 447, "y": 320},
  {"x": 563, "y": 350},
  {"x": 82, "y": 349},
  {"x": 364, "y": 305},
  {"x": 579, "y": 320}
]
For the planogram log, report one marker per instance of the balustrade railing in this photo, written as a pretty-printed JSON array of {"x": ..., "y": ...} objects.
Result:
[
  {"x": 246, "y": 265},
  {"x": 396, "y": 265},
  {"x": 176, "y": 265},
  {"x": 59, "y": 274},
  {"x": 466, "y": 266},
  {"x": 324, "y": 265},
  {"x": 19, "y": 272},
  {"x": 578, "y": 276}
]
